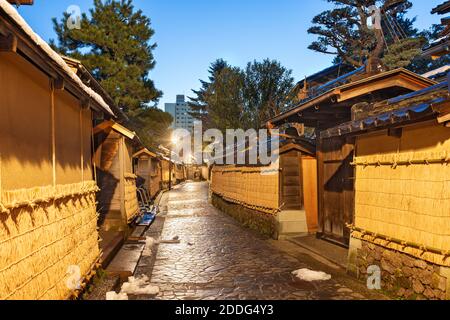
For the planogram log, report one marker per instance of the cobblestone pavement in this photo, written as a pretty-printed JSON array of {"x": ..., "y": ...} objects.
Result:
[{"x": 217, "y": 258}]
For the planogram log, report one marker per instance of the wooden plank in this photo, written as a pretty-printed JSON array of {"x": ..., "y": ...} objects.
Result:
[
  {"x": 320, "y": 186},
  {"x": 336, "y": 189}
]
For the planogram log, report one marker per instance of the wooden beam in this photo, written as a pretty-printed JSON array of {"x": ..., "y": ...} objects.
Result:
[
  {"x": 58, "y": 83},
  {"x": 395, "y": 132},
  {"x": 8, "y": 43},
  {"x": 381, "y": 84},
  {"x": 444, "y": 119},
  {"x": 85, "y": 103}
]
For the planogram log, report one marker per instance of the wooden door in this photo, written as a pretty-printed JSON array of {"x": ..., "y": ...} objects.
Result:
[
  {"x": 291, "y": 181},
  {"x": 336, "y": 188}
]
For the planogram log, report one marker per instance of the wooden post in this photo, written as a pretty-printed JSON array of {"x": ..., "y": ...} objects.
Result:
[
  {"x": 81, "y": 145},
  {"x": 170, "y": 176},
  {"x": 320, "y": 186},
  {"x": 122, "y": 178},
  {"x": 53, "y": 133},
  {"x": 1, "y": 189}
]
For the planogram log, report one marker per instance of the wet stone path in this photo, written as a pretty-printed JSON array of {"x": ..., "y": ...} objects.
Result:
[{"x": 217, "y": 258}]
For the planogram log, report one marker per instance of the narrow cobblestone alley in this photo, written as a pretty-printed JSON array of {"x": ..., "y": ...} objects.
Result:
[{"x": 217, "y": 258}]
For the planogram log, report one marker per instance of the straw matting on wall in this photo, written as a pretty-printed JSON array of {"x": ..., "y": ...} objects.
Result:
[
  {"x": 404, "y": 193},
  {"x": 43, "y": 232},
  {"x": 131, "y": 202},
  {"x": 155, "y": 179},
  {"x": 165, "y": 165},
  {"x": 256, "y": 188}
]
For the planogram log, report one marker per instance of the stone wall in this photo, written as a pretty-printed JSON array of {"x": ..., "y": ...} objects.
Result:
[
  {"x": 264, "y": 223},
  {"x": 402, "y": 275}
]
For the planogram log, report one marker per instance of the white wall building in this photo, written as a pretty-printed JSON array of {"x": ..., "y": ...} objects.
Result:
[{"x": 180, "y": 113}]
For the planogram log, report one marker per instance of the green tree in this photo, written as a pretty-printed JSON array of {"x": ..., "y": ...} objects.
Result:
[
  {"x": 344, "y": 32},
  {"x": 225, "y": 100},
  {"x": 198, "y": 103},
  {"x": 267, "y": 90},
  {"x": 114, "y": 42},
  {"x": 233, "y": 98},
  {"x": 152, "y": 126}
]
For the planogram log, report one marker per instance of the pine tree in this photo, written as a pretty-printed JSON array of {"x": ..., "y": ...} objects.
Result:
[
  {"x": 198, "y": 104},
  {"x": 344, "y": 32},
  {"x": 114, "y": 43},
  {"x": 225, "y": 100},
  {"x": 267, "y": 90}
]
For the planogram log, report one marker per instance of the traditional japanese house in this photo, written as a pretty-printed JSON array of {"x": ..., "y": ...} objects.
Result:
[
  {"x": 439, "y": 74},
  {"x": 332, "y": 106},
  {"x": 402, "y": 192},
  {"x": 167, "y": 179},
  {"x": 89, "y": 80},
  {"x": 148, "y": 169},
  {"x": 276, "y": 202},
  {"x": 441, "y": 46},
  {"x": 179, "y": 173},
  {"x": 193, "y": 172},
  {"x": 307, "y": 87},
  {"x": 48, "y": 229},
  {"x": 117, "y": 199}
]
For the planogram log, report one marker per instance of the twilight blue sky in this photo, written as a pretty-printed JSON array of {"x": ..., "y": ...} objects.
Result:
[{"x": 192, "y": 33}]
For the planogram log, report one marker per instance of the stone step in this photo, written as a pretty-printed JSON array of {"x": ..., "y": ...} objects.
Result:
[
  {"x": 292, "y": 215},
  {"x": 126, "y": 260},
  {"x": 291, "y": 227}
]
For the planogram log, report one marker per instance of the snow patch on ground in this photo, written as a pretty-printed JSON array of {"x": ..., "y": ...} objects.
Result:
[
  {"x": 139, "y": 286},
  {"x": 310, "y": 275},
  {"x": 114, "y": 296},
  {"x": 149, "y": 244}
]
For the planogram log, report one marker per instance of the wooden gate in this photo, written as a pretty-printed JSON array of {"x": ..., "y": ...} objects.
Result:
[{"x": 336, "y": 188}]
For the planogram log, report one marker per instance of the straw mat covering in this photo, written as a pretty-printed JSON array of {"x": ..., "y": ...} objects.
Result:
[
  {"x": 131, "y": 202},
  {"x": 256, "y": 188},
  {"x": 44, "y": 232},
  {"x": 405, "y": 195}
]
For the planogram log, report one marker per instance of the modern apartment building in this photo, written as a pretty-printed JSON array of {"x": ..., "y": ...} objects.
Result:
[{"x": 180, "y": 113}]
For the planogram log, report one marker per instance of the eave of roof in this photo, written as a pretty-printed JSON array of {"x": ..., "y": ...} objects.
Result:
[
  {"x": 438, "y": 49},
  {"x": 112, "y": 125},
  {"x": 442, "y": 8},
  {"x": 145, "y": 151},
  {"x": 298, "y": 146},
  {"x": 57, "y": 62},
  {"x": 336, "y": 92},
  {"x": 79, "y": 67},
  {"x": 417, "y": 110}
]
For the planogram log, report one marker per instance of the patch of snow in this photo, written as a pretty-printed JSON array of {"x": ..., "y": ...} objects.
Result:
[
  {"x": 139, "y": 286},
  {"x": 149, "y": 244},
  {"x": 17, "y": 18},
  {"x": 310, "y": 275},
  {"x": 113, "y": 296}
]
